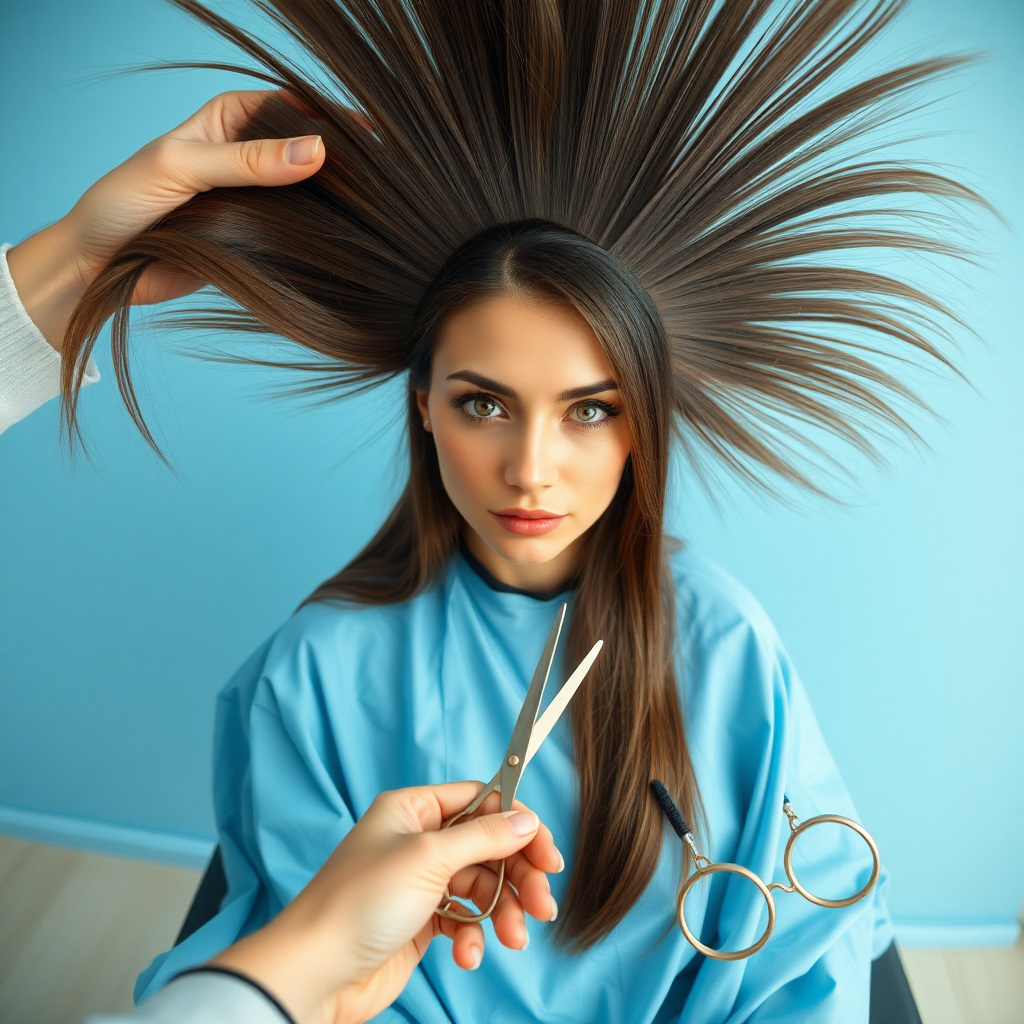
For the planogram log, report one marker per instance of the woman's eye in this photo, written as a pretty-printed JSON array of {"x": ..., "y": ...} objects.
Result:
[
  {"x": 589, "y": 413},
  {"x": 482, "y": 408}
]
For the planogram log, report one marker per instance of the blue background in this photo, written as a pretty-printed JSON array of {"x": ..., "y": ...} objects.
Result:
[{"x": 129, "y": 594}]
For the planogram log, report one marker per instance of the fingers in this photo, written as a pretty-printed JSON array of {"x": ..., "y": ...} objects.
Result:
[
  {"x": 202, "y": 152},
  {"x": 417, "y": 808},
  {"x": 488, "y": 836},
  {"x": 542, "y": 852},
  {"x": 198, "y": 166},
  {"x": 221, "y": 118},
  {"x": 491, "y": 837},
  {"x": 452, "y": 797},
  {"x": 468, "y": 945},
  {"x": 161, "y": 282},
  {"x": 467, "y": 941},
  {"x": 464, "y": 856},
  {"x": 532, "y": 886},
  {"x": 478, "y": 883},
  {"x": 525, "y": 889}
]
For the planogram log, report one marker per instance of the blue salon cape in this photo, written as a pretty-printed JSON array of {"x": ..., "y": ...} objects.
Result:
[{"x": 344, "y": 702}]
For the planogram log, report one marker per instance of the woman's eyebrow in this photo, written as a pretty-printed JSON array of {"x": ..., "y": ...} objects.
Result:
[
  {"x": 488, "y": 384},
  {"x": 483, "y": 382},
  {"x": 588, "y": 389}
]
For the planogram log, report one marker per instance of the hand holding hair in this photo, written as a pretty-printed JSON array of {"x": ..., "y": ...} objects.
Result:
[
  {"x": 52, "y": 268},
  {"x": 344, "y": 949}
]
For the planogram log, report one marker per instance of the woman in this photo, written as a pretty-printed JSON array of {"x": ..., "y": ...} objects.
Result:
[{"x": 576, "y": 228}]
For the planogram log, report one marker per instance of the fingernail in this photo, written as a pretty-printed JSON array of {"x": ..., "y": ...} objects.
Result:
[
  {"x": 303, "y": 150},
  {"x": 522, "y": 822},
  {"x": 526, "y": 942},
  {"x": 476, "y": 955},
  {"x": 554, "y": 909},
  {"x": 561, "y": 861}
]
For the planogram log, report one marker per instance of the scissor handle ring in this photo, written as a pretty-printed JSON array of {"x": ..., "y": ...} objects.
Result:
[
  {"x": 716, "y": 954},
  {"x": 471, "y": 918},
  {"x": 838, "y": 819},
  {"x": 452, "y": 915}
]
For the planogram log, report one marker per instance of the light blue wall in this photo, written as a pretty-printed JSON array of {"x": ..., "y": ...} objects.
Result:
[{"x": 128, "y": 595}]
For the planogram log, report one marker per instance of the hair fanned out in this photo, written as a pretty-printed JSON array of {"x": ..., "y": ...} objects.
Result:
[
  {"x": 694, "y": 173},
  {"x": 705, "y": 143}
]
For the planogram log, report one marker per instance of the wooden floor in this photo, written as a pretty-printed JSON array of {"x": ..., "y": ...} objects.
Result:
[
  {"x": 968, "y": 986},
  {"x": 76, "y": 929}
]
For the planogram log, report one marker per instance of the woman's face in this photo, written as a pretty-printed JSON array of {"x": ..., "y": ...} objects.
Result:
[{"x": 530, "y": 432}]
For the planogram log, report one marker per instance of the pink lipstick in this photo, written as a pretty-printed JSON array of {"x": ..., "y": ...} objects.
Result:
[{"x": 527, "y": 522}]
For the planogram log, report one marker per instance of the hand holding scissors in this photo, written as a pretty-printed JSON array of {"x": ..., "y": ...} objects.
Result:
[{"x": 527, "y": 736}]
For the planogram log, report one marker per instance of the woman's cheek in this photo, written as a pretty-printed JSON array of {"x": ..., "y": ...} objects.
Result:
[
  {"x": 465, "y": 464},
  {"x": 598, "y": 470}
]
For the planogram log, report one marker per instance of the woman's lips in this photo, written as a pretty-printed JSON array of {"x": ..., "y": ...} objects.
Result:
[{"x": 527, "y": 523}]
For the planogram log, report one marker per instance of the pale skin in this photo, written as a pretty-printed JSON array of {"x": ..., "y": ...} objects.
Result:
[
  {"x": 525, "y": 414},
  {"x": 539, "y": 426},
  {"x": 345, "y": 947},
  {"x": 52, "y": 268}
]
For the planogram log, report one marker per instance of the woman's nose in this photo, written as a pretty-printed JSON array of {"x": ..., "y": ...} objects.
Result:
[{"x": 532, "y": 461}]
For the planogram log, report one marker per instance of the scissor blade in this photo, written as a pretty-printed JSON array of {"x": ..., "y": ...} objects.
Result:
[
  {"x": 560, "y": 702},
  {"x": 515, "y": 757}
]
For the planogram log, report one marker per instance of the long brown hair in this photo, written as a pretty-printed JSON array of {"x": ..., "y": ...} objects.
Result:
[
  {"x": 693, "y": 175},
  {"x": 630, "y": 727}
]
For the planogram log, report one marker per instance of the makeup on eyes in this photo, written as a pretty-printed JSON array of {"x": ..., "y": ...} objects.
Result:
[
  {"x": 460, "y": 401},
  {"x": 610, "y": 411}
]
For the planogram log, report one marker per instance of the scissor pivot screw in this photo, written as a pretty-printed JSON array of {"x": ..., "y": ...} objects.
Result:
[{"x": 513, "y": 760}]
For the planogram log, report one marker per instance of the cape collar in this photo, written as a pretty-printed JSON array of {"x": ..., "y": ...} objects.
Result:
[{"x": 495, "y": 584}]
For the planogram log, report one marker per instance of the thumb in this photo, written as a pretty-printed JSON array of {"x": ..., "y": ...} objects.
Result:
[
  {"x": 204, "y": 165},
  {"x": 488, "y": 837}
]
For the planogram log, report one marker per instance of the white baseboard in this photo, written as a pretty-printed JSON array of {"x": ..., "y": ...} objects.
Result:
[
  {"x": 950, "y": 935},
  {"x": 102, "y": 837}
]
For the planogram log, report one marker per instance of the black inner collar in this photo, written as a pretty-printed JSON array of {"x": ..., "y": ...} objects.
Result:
[{"x": 495, "y": 584}]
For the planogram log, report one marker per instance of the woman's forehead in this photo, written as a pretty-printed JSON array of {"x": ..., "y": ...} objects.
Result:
[{"x": 532, "y": 345}]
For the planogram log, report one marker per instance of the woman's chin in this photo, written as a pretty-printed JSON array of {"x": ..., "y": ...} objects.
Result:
[{"x": 528, "y": 550}]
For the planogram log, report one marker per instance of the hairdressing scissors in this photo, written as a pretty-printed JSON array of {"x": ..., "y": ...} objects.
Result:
[
  {"x": 707, "y": 867},
  {"x": 527, "y": 736}
]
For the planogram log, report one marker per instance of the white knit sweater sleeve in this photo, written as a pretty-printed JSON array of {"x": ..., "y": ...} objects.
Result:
[{"x": 29, "y": 368}]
